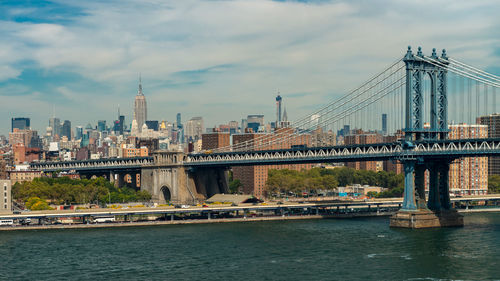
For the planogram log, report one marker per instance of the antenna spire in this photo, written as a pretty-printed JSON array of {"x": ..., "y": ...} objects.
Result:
[{"x": 140, "y": 85}]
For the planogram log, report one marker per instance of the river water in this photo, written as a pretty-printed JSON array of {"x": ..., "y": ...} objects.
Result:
[{"x": 329, "y": 249}]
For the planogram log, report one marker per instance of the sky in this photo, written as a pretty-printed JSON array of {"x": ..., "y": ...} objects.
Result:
[{"x": 220, "y": 59}]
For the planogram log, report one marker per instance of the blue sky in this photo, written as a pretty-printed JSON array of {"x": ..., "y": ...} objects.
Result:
[{"x": 219, "y": 59}]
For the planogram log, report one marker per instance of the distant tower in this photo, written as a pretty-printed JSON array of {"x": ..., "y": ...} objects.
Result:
[
  {"x": 179, "y": 123},
  {"x": 284, "y": 122},
  {"x": 140, "y": 109},
  {"x": 278, "y": 110},
  {"x": 384, "y": 123},
  {"x": 134, "y": 130}
]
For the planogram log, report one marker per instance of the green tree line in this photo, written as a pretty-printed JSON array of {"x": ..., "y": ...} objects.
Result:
[
  {"x": 315, "y": 179},
  {"x": 76, "y": 191},
  {"x": 494, "y": 184}
]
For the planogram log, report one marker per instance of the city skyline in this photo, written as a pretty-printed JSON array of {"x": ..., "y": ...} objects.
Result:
[{"x": 210, "y": 59}]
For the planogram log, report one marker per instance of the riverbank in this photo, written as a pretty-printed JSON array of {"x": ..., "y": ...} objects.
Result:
[
  {"x": 189, "y": 221},
  {"x": 220, "y": 220}
]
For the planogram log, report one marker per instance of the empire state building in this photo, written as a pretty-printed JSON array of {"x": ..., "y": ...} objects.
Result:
[{"x": 140, "y": 109}]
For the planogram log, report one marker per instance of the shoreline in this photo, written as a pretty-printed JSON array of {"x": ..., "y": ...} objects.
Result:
[{"x": 222, "y": 220}]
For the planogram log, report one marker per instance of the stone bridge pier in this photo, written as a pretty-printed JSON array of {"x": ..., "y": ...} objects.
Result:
[{"x": 168, "y": 180}]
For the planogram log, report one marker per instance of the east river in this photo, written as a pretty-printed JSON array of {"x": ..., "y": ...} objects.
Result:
[{"x": 328, "y": 249}]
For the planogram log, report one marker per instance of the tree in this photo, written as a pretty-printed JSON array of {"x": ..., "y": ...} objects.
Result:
[
  {"x": 494, "y": 184},
  {"x": 234, "y": 186},
  {"x": 36, "y": 204},
  {"x": 65, "y": 190},
  {"x": 285, "y": 181}
]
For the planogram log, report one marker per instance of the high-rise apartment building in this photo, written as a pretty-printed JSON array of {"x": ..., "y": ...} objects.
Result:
[
  {"x": 468, "y": 176},
  {"x": 20, "y": 123},
  {"x": 493, "y": 123},
  {"x": 140, "y": 108},
  {"x": 393, "y": 165},
  {"x": 320, "y": 138}
]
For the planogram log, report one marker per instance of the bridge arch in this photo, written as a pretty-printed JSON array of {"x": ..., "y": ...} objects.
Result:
[{"x": 165, "y": 193}]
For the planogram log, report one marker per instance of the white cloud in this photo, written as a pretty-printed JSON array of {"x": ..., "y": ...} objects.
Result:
[{"x": 323, "y": 49}]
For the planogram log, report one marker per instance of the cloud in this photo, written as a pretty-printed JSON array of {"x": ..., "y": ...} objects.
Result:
[{"x": 195, "y": 54}]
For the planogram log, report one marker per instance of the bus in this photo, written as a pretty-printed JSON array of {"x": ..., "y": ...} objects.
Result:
[
  {"x": 6, "y": 222},
  {"x": 104, "y": 219}
]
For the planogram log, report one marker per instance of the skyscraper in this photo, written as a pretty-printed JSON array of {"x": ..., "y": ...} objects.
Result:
[
  {"x": 278, "y": 110},
  {"x": 179, "y": 123},
  {"x": 101, "y": 125},
  {"x": 384, "y": 124},
  {"x": 194, "y": 128},
  {"x": 284, "y": 121},
  {"x": 55, "y": 124},
  {"x": 153, "y": 124},
  {"x": 78, "y": 132},
  {"x": 121, "y": 124},
  {"x": 140, "y": 109},
  {"x": 66, "y": 129},
  {"x": 20, "y": 123}
]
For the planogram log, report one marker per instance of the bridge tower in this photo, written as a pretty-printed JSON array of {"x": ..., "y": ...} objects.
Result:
[{"x": 415, "y": 212}]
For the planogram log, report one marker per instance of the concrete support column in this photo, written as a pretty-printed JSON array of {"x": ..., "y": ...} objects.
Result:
[
  {"x": 434, "y": 201},
  {"x": 409, "y": 192},
  {"x": 444, "y": 189},
  {"x": 120, "y": 180},
  {"x": 111, "y": 177},
  {"x": 420, "y": 186}
]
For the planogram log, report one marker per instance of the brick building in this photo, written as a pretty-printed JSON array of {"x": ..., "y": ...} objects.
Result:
[
  {"x": 5, "y": 196},
  {"x": 493, "y": 123},
  {"x": 361, "y": 137},
  {"x": 135, "y": 152},
  {"x": 215, "y": 140},
  {"x": 393, "y": 165},
  {"x": 23, "y": 175},
  {"x": 468, "y": 176},
  {"x": 254, "y": 178},
  {"x": 26, "y": 154}
]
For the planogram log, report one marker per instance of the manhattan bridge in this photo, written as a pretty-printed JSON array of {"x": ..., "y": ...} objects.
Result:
[{"x": 420, "y": 94}]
